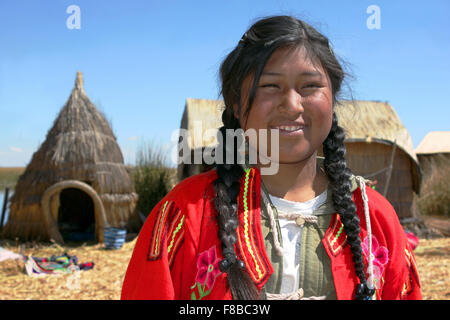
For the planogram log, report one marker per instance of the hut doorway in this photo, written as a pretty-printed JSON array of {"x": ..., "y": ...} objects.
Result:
[
  {"x": 73, "y": 206},
  {"x": 76, "y": 216}
]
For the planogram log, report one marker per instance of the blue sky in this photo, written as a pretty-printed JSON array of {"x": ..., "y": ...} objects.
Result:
[{"x": 142, "y": 59}]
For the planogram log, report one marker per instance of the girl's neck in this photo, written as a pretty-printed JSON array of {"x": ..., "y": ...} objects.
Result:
[{"x": 301, "y": 181}]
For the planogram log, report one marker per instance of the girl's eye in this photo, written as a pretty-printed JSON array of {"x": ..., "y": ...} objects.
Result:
[
  {"x": 269, "y": 85},
  {"x": 312, "y": 85}
]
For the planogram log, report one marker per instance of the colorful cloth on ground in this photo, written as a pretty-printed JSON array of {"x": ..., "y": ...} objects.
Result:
[
  {"x": 55, "y": 265},
  {"x": 155, "y": 272}
]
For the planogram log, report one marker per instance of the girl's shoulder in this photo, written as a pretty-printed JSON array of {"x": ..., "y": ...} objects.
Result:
[
  {"x": 383, "y": 217},
  {"x": 379, "y": 206},
  {"x": 201, "y": 178},
  {"x": 193, "y": 189},
  {"x": 182, "y": 209}
]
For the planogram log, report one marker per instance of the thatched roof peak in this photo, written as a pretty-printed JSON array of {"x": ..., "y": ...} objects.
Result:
[
  {"x": 79, "y": 81},
  {"x": 80, "y": 133},
  {"x": 79, "y": 114}
]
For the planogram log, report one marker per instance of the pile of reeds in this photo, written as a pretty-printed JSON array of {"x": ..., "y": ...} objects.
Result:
[
  {"x": 434, "y": 199},
  {"x": 433, "y": 258}
]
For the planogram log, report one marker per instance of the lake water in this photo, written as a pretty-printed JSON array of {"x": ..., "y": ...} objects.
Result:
[{"x": 2, "y": 197}]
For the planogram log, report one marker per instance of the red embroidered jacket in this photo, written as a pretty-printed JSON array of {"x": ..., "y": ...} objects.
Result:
[{"x": 177, "y": 252}]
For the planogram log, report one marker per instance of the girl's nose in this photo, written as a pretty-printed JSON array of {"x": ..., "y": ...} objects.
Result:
[{"x": 291, "y": 103}]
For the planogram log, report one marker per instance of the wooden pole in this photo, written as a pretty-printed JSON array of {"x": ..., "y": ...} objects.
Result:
[
  {"x": 389, "y": 173},
  {"x": 5, "y": 203}
]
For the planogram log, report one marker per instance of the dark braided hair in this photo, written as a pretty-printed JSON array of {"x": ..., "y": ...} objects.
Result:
[
  {"x": 339, "y": 178},
  {"x": 227, "y": 188},
  {"x": 249, "y": 58}
]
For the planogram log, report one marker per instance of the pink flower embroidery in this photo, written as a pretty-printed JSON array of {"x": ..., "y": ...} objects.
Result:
[
  {"x": 380, "y": 256},
  {"x": 208, "y": 267}
]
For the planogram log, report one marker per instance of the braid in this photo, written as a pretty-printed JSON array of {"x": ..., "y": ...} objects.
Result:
[
  {"x": 339, "y": 176},
  {"x": 227, "y": 187}
]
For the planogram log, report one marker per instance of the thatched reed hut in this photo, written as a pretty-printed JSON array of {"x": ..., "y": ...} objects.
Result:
[
  {"x": 379, "y": 147},
  {"x": 76, "y": 183},
  {"x": 434, "y": 150},
  {"x": 434, "y": 157},
  {"x": 204, "y": 115}
]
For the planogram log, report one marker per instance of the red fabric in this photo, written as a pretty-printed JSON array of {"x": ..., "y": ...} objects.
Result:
[
  {"x": 413, "y": 240},
  {"x": 156, "y": 279},
  {"x": 250, "y": 241},
  {"x": 388, "y": 231}
]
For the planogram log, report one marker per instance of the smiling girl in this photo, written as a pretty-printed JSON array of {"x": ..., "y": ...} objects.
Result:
[{"x": 310, "y": 231}]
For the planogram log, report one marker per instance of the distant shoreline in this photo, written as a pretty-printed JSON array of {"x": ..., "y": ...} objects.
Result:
[{"x": 9, "y": 177}]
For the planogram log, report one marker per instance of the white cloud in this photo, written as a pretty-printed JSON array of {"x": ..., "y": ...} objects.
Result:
[
  {"x": 133, "y": 138},
  {"x": 15, "y": 149}
]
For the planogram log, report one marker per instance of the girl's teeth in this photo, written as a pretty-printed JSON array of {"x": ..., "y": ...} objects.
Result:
[{"x": 289, "y": 128}]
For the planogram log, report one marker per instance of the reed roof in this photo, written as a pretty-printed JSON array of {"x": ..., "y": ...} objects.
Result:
[
  {"x": 434, "y": 142},
  {"x": 204, "y": 112},
  {"x": 374, "y": 121}
]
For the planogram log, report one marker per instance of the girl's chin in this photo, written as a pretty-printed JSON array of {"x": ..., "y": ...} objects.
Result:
[
  {"x": 295, "y": 155},
  {"x": 291, "y": 158}
]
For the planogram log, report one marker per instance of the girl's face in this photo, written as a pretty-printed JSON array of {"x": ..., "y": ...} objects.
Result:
[{"x": 294, "y": 96}]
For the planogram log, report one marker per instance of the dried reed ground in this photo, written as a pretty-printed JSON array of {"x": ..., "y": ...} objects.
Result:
[{"x": 104, "y": 282}]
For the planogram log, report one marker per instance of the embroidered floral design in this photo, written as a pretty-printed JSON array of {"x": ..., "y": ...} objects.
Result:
[
  {"x": 208, "y": 267},
  {"x": 380, "y": 256},
  {"x": 207, "y": 272}
]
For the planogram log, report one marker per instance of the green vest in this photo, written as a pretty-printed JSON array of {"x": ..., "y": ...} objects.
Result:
[
  {"x": 315, "y": 274},
  {"x": 315, "y": 268}
]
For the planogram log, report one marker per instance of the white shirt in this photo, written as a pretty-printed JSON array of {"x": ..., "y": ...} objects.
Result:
[{"x": 291, "y": 237}]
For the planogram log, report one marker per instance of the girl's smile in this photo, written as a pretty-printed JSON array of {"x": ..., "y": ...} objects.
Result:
[{"x": 290, "y": 129}]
